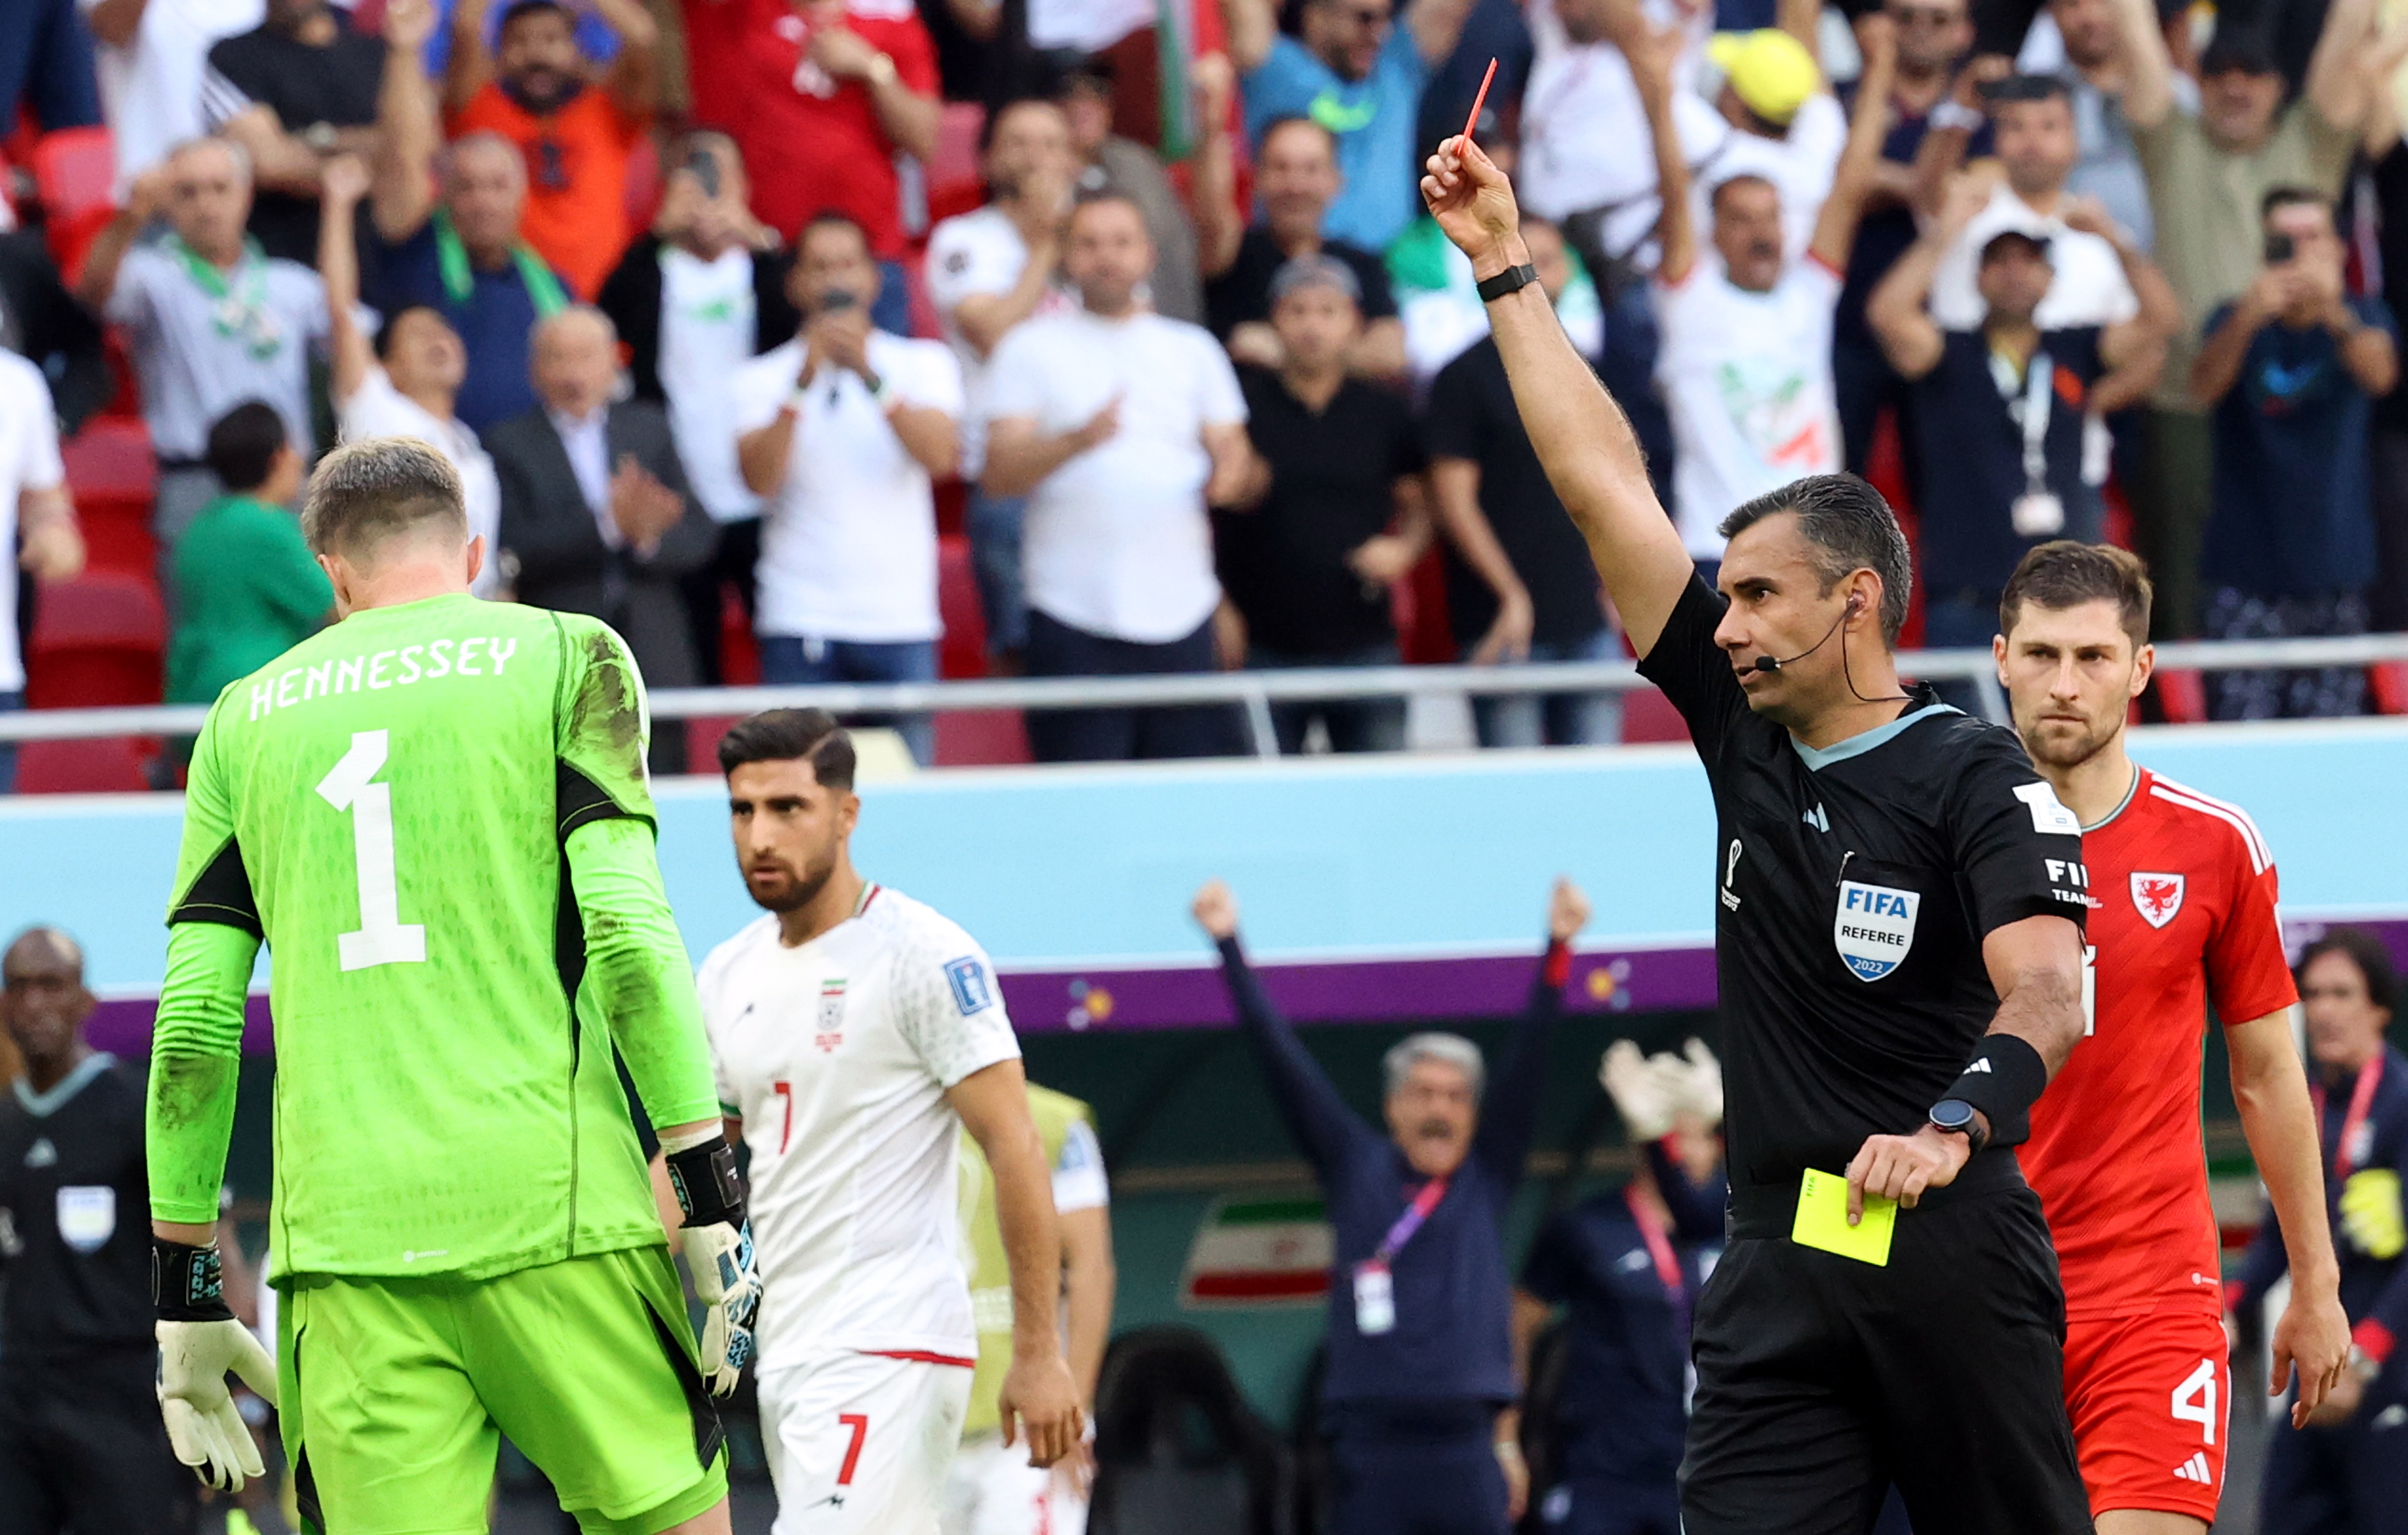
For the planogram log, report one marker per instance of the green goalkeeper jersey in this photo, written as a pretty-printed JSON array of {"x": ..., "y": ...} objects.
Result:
[{"x": 389, "y": 805}]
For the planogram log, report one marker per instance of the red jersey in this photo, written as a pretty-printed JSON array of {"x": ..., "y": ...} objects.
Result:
[
  {"x": 811, "y": 143},
  {"x": 2182, "y": 912}
]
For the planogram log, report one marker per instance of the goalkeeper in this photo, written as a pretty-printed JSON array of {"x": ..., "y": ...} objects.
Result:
[
  {"x": 2346, "y": 1472},
  {"x": 434, "y": 813}
]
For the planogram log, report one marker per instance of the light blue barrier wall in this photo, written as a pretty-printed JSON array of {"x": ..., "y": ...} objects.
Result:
[{"x": 1408, "y": 857}]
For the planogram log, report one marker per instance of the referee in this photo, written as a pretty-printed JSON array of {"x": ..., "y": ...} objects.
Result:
[{"x": 1900, "y": 906}]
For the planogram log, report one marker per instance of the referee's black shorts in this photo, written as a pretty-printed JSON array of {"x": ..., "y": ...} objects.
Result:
[{"x": 1821, "y": 1380}]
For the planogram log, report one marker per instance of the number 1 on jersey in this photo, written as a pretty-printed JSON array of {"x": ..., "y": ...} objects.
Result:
[{"x": 383, "y": 937}]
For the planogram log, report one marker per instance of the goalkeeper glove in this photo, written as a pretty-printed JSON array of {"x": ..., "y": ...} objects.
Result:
[
  {"x": 1698, "y": 1084},
  {"x": 2371, "y": 1215},
  {"x": 719, "y": 1254},
  {"x": 199, "y": 1340}
]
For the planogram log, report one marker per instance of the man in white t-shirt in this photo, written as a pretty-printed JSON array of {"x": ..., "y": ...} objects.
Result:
[
  {"x": 842, "y": 432},
  {"x": 1585, "y": 156},
  {"x": 2037, "y": 147},
  {"x": 33, "y": 507},
  {"x": 402, "y": 385},
  {"x": 1120, "y": 427},
  {"x": 856, "y": 1034},
  {"x": 1786, "y": 127},
  {"x": 1746, "y": 351},
  {"x": 988, "y": 271}
]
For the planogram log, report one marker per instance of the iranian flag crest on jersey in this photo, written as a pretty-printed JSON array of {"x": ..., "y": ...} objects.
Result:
[{"x": 2156, "y": 896}]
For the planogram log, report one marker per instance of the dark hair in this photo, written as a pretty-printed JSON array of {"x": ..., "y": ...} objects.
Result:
[
  {"x": 791, "y": 735},
  {"x": 1851, "y": 529},
  {"x": 391, "y": 323},
  {"x": 2279, "y": 198},
  {"x": 2065, "y": 573},
  {"x": 512, "y": 13},
  {"x": 1715, "y": 195},
  {"x": 834, "y": 218},
  {"x": 1004, "y": 109},
  {"x": 367, "y": 492},
  {"x": 1291, "y": 119},
  {"x": 2365, "y": 951},
  {"x": 243, "y": 444},
  {"x": 1100, "y": 195},
  {"x": 2016, "y": 88}
]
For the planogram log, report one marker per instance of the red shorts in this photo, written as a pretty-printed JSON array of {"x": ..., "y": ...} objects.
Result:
[{"x": 2148, "y": 1397}]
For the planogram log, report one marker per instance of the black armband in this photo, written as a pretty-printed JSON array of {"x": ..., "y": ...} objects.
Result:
[
  {"x": 187, "y": 1283},
  {"x": 2004, "y": 1079},
  {"x": 708, "y": 1189}
]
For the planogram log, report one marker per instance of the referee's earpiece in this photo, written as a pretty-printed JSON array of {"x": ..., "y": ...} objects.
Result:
[{"x": 1856, "y": 605}]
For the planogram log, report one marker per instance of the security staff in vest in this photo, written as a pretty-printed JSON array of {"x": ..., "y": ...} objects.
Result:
[
  {"x": 82, "y": 1446},
  {"x": 1899, "y": 908}
]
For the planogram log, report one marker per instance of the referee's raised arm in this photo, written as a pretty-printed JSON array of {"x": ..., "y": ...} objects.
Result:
[{"x": 1580, "y": 433}]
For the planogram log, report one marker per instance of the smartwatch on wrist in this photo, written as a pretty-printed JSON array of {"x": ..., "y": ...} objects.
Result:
[
  {"x": 1955, "y": 1116},
  {"x": 1510, "y": 280}
]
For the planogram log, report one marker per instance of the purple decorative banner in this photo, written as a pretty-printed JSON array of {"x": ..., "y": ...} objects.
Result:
[{"x": 1366, "y": 991}]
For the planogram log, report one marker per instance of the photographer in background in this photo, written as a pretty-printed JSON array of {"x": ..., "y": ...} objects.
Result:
[
  {"x": 843, "y": 431},
  {"x": 2291, "y": 370}
]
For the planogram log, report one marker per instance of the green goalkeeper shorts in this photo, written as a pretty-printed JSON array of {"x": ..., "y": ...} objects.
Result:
[{"x": 395, "y": 1392}]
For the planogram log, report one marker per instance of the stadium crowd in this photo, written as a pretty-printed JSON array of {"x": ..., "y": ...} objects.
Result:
[{"x": 739, "y": 302}]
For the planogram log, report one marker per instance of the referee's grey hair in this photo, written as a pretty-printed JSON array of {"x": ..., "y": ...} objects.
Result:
[
  {"x": 1850, "y": 528},
  {"x": 367, "y": 493},
  {"x": 574, "y": 312},
  {"x": 1452, "y": 1049}
]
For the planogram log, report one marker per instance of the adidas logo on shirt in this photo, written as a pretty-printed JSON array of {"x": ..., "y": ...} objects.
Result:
[
  {"x": 1982, "y": 1065},
  {"x": 2195, "y": 1470}
]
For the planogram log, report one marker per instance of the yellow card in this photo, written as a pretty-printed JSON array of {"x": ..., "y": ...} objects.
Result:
[{"x": 1823, "y": 1220}]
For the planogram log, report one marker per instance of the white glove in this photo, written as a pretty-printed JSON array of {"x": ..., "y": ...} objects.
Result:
[
  {"x": 206, "y": 1431},
  {"x": 1697, "y": 1083},
  {"x": 1641, "y": 1095},
  {"x": 728, "y": 1282}
]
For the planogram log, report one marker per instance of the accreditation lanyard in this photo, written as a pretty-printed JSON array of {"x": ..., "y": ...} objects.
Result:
[
  {"x": 1375, "y": 1295},
  {"x": 1668, "y": 1262},
  {"x": 2352, "y": 1122},
  {"x": 2031, "y": 411},
  {"x": 238, "y": 316}
]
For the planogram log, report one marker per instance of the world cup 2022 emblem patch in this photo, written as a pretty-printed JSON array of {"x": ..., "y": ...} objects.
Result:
[
  {"x": 1874, "y": 928},
  {"x": 831, "y": 1020}
]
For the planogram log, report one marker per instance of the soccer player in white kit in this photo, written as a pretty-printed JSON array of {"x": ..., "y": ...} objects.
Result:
[{"x": 855, "y": 1032}]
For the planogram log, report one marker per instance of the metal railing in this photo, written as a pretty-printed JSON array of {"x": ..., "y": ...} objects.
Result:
[{"x": 1255, "y": 692}]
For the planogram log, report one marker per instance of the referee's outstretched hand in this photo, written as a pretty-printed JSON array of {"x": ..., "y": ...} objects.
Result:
[{"x": 1902, "y": 1166}]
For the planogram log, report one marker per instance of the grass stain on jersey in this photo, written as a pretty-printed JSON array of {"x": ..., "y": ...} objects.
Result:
[
  {"x": 190, "y": 1088},
  {"x": 611, "y": 705}
]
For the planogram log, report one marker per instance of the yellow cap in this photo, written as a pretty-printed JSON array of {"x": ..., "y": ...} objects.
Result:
[{"x": 1770, "y": 71}]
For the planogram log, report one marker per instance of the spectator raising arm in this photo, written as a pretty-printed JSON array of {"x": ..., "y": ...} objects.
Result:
[
  {"x": 1437, "y": 25},
  {"x": 2132, "y": 351},
  {"x": 634, "y": 80},
  {"x": 1909, "y": 336},
  {"x": 1941, "y": 153},
  {"x": 1654, "y": 54},
  {"x": 470, "y": 68},
  {"x": 403, "y": 189},
  {"x": 1581, "y": 438},
  {"x": 2380, "y": 131},
  {"x": 2148, "y": 67},
  {"x": 117, "y": 22},
  {"x": 144, "y": 201},
  {"x": 1835, "y": 226},
  {"x": 2338, "y": 84},
  {"x": 349, "y": 353},
  {"x": 1253, "y": 26},
  {"x": 1220, "y": 223}
]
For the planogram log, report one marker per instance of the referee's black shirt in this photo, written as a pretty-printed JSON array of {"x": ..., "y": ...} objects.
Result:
[
  {"x": 75, "y": 1244},
  {"x": 1853, "y": 888}
]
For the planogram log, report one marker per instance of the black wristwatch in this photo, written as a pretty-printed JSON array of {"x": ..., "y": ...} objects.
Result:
[
  {"x": 1510, "y": 280},
  {"x": 1955, "y": 1116}
]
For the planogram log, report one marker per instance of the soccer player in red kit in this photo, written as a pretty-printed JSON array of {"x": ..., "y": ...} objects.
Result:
[{"x": 2182, "y": 896}]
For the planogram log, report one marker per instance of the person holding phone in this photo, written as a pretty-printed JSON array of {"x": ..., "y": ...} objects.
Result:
[
  {"x": 2292, "y": 370},
  {"x": 842, "y": 432}
]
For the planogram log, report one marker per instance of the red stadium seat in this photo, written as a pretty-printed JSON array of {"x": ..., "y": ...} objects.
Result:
[
  {"x": 114, "y": 477},
  {"x": 964, "y": 652},
  {"x": 98, "y": 639},
  {"x": 112, "y": 764},
  {"x": 2388, "y": 681},
  {"x": 981, "y": 739},
  {"x": 954, "y": 183},
  {"x": 645, "y": 180},
  {"x": 926, "y": 324},
  {"x": 1647, "y": 715},
  {"x": 75, "y": 174},
  {"x": 2183, "y": 696}
]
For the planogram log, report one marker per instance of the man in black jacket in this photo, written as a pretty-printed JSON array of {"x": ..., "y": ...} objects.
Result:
[
  {"x": 1417, "y": 1398},
  {"x": 694, "y": 303},
  {"x": 595, "y": 514}
]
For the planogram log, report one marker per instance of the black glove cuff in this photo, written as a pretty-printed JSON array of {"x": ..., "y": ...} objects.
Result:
[
  {"x": 708, "y": 1187},
  {"x": 2004, "y": 1079},
  {"x": 186, "y": 1282}
]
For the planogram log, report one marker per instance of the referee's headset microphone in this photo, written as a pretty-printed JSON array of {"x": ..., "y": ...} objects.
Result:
[{"x": 1771, "y": 664}]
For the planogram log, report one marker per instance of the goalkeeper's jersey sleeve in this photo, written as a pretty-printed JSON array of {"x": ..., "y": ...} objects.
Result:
[{"x": 389, "y": 802}]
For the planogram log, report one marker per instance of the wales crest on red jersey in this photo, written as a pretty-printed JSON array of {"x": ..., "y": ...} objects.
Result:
[{"x": 2156, "y": 896}]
